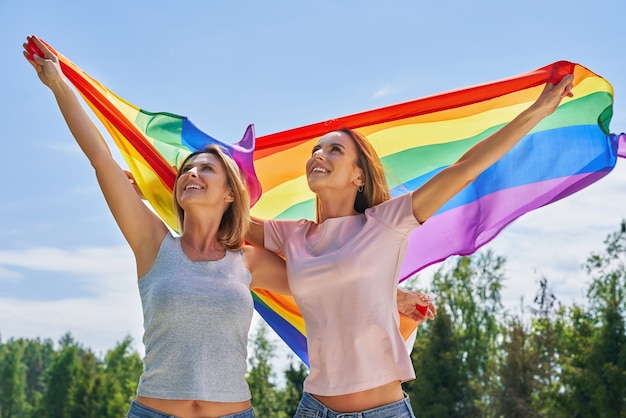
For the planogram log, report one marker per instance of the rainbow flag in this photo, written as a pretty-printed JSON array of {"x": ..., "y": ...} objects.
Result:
[{"x": 566, "y": 152}]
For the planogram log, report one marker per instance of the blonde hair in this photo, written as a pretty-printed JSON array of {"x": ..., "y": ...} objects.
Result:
[
  {"x": 375, "y": 187},
  {"x": 236, "y": 219}
]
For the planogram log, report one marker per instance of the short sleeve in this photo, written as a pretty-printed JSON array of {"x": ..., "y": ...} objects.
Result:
[
  {"x": 276, "y": 233},
  {"x": 396, "y": 213}
]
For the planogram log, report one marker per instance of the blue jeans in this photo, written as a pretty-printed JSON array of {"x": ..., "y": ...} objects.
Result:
[
  {"x": 310, "y": 407},
  {"x": 138, "y": 410}
]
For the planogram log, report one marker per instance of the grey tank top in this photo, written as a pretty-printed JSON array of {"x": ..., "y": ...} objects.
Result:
[{"x": 196, "y": 321}]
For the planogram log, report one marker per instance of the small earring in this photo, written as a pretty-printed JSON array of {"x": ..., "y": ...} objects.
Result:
[{"x": 360, "y": 188}]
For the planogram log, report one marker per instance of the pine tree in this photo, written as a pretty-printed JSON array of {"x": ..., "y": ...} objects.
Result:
[
  {"x": 265, "y": 398},
  {"x": 517, "y": 374},
  {"x": 37, "y": 355},
  {"x": 607, "y": 358},
  {"x": 441, "y": 386},
  {"x": 471, "y": 292},
  {"x": 119, "y": 378},
  {"x": 294, "y": 380},
  {"x": 56, "y": 400},
  {"x": 12, "y": 380}
]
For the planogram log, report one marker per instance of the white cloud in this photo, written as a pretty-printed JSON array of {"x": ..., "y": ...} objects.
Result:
[
  {"x": 98, "y": 321},
  {"x": 7, "y": 275}
]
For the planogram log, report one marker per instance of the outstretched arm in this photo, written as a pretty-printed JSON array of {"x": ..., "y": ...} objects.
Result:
[
  {"x": 442, "y": 187},
  {"x": 142, "y": 229}
]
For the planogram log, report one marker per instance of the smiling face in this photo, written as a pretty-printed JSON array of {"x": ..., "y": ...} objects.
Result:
[
  {"x": 333, "y": 164},
  {"x": 212, "y": 179},
  {"x": 203, "y": 177}
]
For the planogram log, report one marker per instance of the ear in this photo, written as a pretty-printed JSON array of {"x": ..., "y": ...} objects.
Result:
[
  {"x": 230, "y": 197},
  {"x": 358, "y": 181}
]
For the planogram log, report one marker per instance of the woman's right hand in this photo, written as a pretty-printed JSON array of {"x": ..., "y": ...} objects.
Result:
[{"x": 46, "y": 64}]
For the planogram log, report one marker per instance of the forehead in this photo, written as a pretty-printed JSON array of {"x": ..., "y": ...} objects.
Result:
[
  {"x": 337, "y": 137},
  {"x": 204, "y": 158}
]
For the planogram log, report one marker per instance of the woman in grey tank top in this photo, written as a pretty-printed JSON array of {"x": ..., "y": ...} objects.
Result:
[{"x": 195, "y": 345}]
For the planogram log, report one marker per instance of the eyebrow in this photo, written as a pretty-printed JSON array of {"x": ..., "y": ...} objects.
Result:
[
  {"x": 330, "y": 145},
  {"x": 200, "y": 164}
]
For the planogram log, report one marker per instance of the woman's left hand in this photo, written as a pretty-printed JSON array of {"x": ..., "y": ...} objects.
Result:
[{"x": 417, "y": 306}]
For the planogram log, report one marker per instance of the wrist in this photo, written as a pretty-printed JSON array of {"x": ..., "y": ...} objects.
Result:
[{"x": 59, "y": 87}]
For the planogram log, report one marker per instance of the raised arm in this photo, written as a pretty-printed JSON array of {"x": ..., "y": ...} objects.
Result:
[
  {"x": 448, "y": 182},
  {"x": 142, "y": 229}
]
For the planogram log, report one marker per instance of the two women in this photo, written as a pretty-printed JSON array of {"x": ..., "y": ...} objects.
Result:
[{"x": 354, "y": 249}]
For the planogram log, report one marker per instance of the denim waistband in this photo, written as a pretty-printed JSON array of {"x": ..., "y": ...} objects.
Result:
[
  {"x": 310, "y": 407},
  {"x": 138, "y": 410}
]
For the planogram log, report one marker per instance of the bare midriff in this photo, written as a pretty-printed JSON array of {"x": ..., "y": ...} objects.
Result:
[
  {"x": 194, "y": 409},
  {"x": 364, "y": 400}
]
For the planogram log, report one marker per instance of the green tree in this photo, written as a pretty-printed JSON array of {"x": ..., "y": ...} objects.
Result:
[
  {"x": 37, "y": 355},
  {"x": 294, "y": 381},
  {"x": 83, "y": 402},
  {"x": 471, "y": 292},
  {"x": 607, "y": 358},
  {"x": 517, "y": 371},
  {"x": 265, "y": 398},
  {"x": 12, "y": 380},
  {"x": 56, "y": 401},
  {"x": 120, "y": 376},
  {"x": 441, "y": 386}
]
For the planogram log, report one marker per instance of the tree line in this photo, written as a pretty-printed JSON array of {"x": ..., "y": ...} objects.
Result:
[{"x": 475, "y": 359}]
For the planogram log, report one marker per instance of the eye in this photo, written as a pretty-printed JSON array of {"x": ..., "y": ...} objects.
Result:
[
  {"x": 185, "y": 169},
  {"x": 315, "y": 149},
  {"x": 207, "y": 167},
  {"x": 335, "y": 148}
]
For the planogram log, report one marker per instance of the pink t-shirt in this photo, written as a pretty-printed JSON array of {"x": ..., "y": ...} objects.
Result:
[{"x": 343, "y": 274}]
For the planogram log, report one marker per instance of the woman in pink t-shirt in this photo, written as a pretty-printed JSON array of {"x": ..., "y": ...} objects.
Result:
[{"x": 343, "y": 268}]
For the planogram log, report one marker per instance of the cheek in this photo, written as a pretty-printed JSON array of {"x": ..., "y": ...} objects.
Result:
[
  {"x": 177, "y": 189},
  {"x": 307, "y": 166}
]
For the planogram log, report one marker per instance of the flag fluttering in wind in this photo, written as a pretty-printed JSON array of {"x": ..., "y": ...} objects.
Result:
[{"x": 566, "y": 152}]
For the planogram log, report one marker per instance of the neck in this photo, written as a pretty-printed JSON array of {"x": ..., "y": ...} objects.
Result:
[
  {"x": 335, "y": 206},
  {"x": 199, "y": 238}
]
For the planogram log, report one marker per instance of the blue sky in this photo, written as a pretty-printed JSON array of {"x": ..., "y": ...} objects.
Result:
[{"x": 64, "y": 265}]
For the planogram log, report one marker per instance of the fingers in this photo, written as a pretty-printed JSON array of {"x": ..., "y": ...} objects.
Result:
[
  {"x": 567, "y": 84},
  {"x": 37, "y": 51},
  {"x": 46, "y": 53},
  {"x": 30, "y": 61}
]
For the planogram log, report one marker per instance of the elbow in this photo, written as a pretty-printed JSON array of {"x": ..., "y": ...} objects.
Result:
[{"x": 465, "y": 174}]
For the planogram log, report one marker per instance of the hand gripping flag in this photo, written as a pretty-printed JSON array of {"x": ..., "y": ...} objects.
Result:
[{"x": 566, "y": 152}]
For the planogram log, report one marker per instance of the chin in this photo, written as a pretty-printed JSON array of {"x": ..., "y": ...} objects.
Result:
[{"x": 313, "y": 185}]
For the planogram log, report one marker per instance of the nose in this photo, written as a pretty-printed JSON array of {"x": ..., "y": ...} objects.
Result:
[
  {"x": 193, "y": 172},
  {"x": 318, "y": 154}
]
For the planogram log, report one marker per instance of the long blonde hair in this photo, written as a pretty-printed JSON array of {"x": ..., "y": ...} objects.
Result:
[
  {"x": 375, "y": 188},
  {"x": 236, "y": 219}
]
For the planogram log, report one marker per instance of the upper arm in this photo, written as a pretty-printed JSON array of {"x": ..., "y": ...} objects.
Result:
[
  {"x": 268, "y": 270},
  {"x": 256, "y": 234},
  {"x": 433, "y": 194},
  {"x": 142, "y": 229}
]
